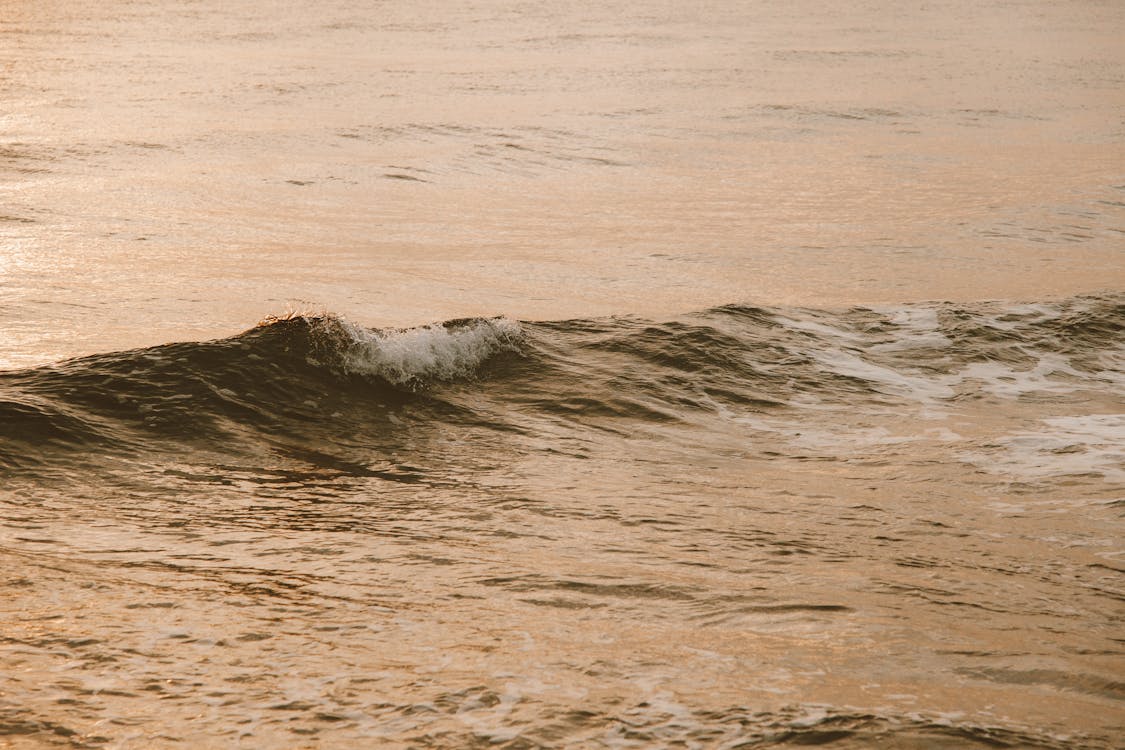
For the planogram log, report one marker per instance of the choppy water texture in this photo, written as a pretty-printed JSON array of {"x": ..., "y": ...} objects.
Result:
[
  {"x": 710, "y": 375},
  {"x": 743, "y": 527}
]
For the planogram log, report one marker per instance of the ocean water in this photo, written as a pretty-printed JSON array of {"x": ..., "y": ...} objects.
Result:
[{"x": 497, "y": 374}]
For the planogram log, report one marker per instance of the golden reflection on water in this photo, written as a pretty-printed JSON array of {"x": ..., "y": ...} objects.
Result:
[
  {"x": 822, "y": 583},
  {"x": 405, "y": 164},
  {"x": 181, "y": 170}
]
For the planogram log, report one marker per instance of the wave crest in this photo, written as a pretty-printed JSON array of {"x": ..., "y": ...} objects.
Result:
[{"x": 413, "y": 357}]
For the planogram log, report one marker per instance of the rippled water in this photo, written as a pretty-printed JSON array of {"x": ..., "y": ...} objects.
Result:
[{"x": 716, "y": 376}]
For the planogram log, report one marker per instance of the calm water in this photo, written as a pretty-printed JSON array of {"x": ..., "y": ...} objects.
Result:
[{"x": 731, "y": 374}]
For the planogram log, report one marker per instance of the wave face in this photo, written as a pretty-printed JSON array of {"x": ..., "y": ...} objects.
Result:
[
  {"x": 322, "y": 378},
  {"x": 285, "y": 375},
  {"x": 743, "y": 527}
]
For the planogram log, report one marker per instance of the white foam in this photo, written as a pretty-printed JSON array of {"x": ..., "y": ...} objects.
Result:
[
  {"x": 1082, "y": 445},
  {"x": 1026, "y": 314},
  {"x": 427, "y": 353},
  {"x": 918, "y": 387},
  {"x": 1002, "y": 380},
  {"x": 811, "y": 326},
  {"x": 1114, "y": 363},
  {"x": 919, "y": 328}
]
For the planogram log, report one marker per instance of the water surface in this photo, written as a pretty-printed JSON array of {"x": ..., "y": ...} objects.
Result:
[{"x": 723, "y": 375}]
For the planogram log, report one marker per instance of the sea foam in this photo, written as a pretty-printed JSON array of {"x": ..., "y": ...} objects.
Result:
[{"x": 437, "y": 352}]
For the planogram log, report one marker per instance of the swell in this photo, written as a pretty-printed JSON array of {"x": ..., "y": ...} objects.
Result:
[
  {"x": 296, "y": 376},
  {"x": 323, "y": 381}
]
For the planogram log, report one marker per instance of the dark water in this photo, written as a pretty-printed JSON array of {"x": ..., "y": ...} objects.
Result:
[{"x": 743, "y": 527}]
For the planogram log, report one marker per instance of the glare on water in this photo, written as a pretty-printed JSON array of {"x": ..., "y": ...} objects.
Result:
[{"x": 179, "y": 170}]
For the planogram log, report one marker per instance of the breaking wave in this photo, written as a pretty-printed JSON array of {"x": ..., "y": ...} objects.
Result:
[{"x": 325, "y": 379}]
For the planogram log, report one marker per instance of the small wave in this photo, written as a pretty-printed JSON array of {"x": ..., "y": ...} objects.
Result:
[
  {"x": 299, "y": 378},
  {"x": 413, "y": 357},
  {"x": 324, "y": 379}
]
